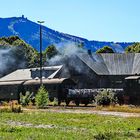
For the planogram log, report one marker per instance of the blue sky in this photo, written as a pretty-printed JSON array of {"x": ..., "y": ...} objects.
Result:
[{"x": 104, "y": 20}]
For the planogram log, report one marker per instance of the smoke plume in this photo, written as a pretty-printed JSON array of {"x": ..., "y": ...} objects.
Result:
[
  {"x": 5, "y": 60},
  {"x": 68, "y": 57},
  {"x": 9, "y": 60}
]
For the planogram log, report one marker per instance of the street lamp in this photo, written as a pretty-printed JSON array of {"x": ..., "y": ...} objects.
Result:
[{"x": 40, "y": 22}]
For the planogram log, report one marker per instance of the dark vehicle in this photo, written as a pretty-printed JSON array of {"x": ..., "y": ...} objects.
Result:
[{"x": 83, "y": 96}]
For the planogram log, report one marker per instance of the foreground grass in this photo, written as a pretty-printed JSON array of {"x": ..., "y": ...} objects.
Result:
[{"x": 68, "y": 127}]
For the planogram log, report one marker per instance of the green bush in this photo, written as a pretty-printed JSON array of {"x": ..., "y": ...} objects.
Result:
[
  {"x": 42, "y": 98},
  {"x": 106, "y": 98},
  {"x": 24, "y": 100}
]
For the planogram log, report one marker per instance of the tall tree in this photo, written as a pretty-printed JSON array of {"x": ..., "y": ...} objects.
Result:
[
  {"x": 50, "y": 51},
  {"x": 105, "y": 49},
  {"x": 135, "y": 48}
]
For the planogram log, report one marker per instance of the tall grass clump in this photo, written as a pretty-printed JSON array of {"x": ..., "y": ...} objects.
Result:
[
  {"x": 42, "y": 98},
  {"x": 12, "y": 106},
  {"x": 15, "y": 107}
]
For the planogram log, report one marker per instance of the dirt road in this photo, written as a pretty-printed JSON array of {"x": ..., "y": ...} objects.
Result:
[{"x": 111, "y": 113}]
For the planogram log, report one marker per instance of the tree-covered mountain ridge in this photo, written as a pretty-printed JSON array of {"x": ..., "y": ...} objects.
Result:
[{"x": 29, "y": 32}]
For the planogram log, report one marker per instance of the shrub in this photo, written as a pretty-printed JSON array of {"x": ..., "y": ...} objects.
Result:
[
  {"x": 106, "y": 98},
  {"x": 15, "y": 107},
  {"x": 25, "y": 100},
  {"x": 42, "y": 98}
]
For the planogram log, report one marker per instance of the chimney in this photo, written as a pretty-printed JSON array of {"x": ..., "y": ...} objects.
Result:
[{"x": 89, "y": 52}]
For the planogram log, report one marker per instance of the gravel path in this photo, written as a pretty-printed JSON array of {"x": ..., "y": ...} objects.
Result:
[
  {"x": 112, "y": 113},
  {"x": 16, "y": 123},
  {"x": 50, "y": 126}
]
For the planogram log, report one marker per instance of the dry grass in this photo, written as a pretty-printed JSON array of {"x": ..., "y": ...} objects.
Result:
[
  {"x": 118, "y": 108},
  {"x": 53, "y": 105},
  {"x": 11, "y": 106}
]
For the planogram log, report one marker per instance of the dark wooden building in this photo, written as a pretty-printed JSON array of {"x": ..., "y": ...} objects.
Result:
[
  {"x": 87, "y": 71},
  {"x": 109, "y": 70}
]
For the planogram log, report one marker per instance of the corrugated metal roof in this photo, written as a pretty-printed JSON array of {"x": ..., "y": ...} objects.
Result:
[
  {"x": 95, "y": 62},
  {"x": 25, "y": 74},
  {"x": 112, "y": 63},
  {"x": 20, "y": 74},
  {"x": 119, "y": 64}
]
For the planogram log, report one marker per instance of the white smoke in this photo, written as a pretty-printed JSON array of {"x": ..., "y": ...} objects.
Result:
[
  {"x": 68, "y": 57},
  {"x": 5, "y": 59},
  {"x": 8, "y": 60}
]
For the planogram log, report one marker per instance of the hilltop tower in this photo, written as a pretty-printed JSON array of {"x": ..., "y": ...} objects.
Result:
[{"x": 22, "y": 16}]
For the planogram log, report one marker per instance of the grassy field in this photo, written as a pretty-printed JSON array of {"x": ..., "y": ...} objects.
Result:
[{"x": 37, "y": 125}]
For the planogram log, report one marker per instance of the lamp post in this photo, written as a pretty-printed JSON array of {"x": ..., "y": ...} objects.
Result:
[{"x": 40, "y": 22}]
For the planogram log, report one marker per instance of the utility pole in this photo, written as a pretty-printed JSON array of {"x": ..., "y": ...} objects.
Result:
[{"x": 40, "y": 22}]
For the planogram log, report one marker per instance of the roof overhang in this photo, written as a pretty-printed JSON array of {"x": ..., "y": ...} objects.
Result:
[
  {"x": 8, "y": 83},
  {"x": 132, "y": 78},
  {"x": 47, "y": 81}
]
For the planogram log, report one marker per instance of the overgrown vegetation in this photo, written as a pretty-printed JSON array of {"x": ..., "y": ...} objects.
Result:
[
  {"x": 106, "y": 98},
  {"x": 42, "y": 98}
]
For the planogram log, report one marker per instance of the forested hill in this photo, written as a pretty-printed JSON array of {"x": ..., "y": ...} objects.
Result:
[{"x": 29, "y": 32}]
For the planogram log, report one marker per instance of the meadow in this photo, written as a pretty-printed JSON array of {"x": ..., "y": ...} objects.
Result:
[{"x": 39, "y": 125}]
